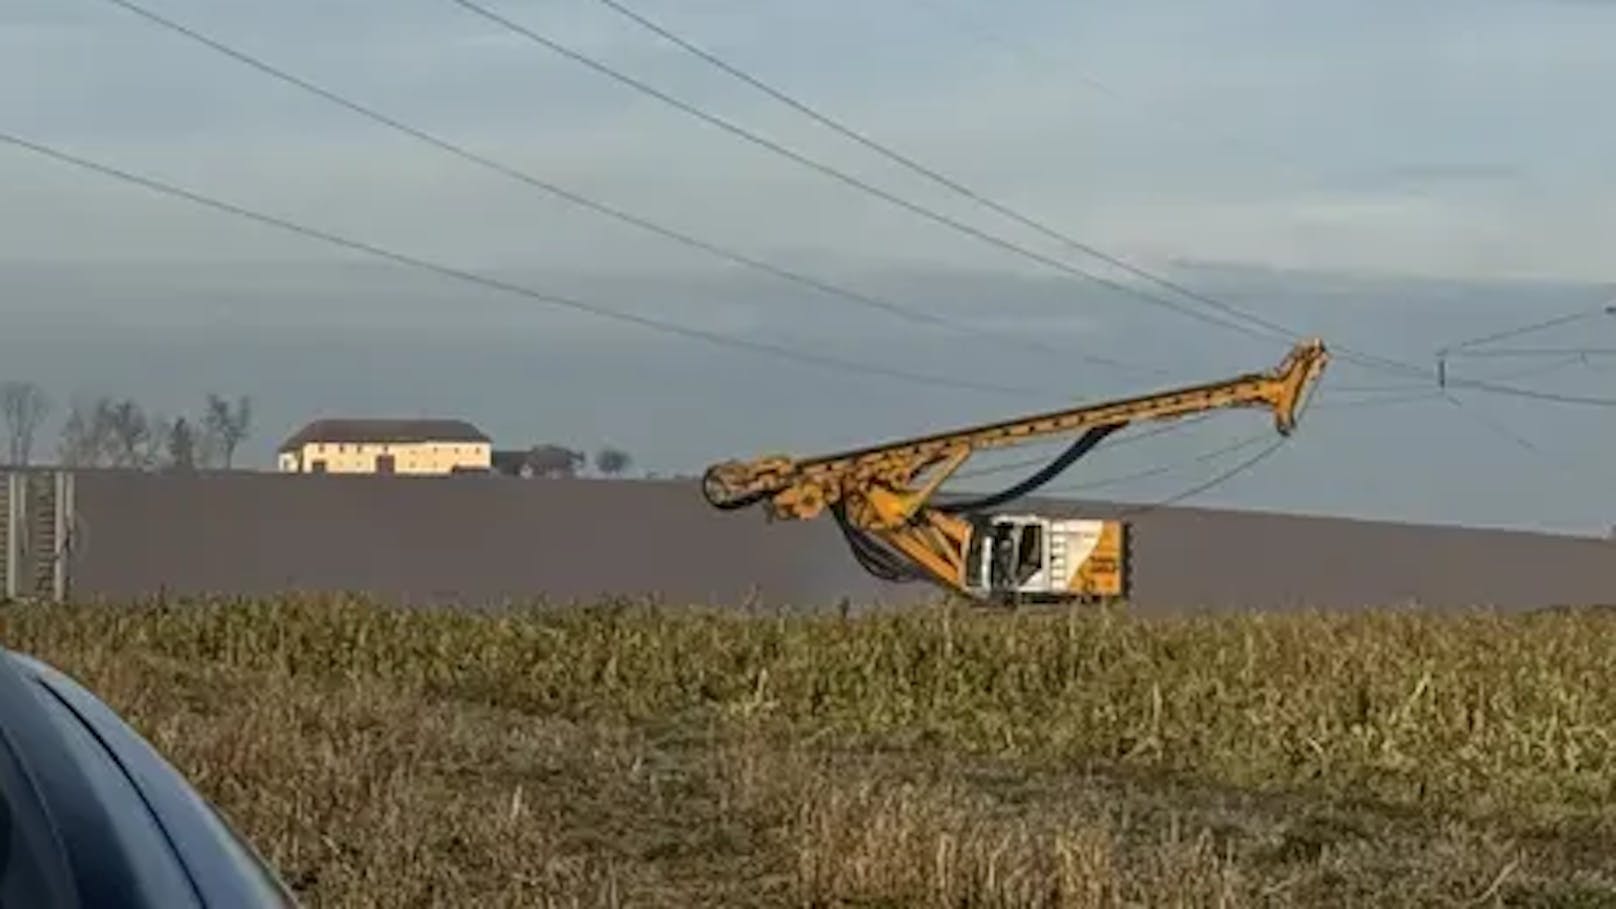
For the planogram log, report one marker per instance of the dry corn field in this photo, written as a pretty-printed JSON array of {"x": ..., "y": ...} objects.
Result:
[{"x": 627, "y": 755}]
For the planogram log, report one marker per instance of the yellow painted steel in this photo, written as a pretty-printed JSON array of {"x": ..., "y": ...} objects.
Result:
[{"x": 1104, "y": 573}]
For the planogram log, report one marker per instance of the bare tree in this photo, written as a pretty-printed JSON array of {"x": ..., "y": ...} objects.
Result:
[
  {"x": 131, "y": 433},
  {"x": 180, "y": 441},
  {"x": 207, "y": 451},
  {"x": 612, "y": 461},
  {"x": 154, "y": 453},
  {"x": 23, "y": 406},
  {"x": 87, "y": 434},
  {"x": 227, "y": 427}
]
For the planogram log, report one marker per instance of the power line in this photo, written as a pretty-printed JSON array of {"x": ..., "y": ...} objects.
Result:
[
  {"x": 1494, "y": 426},
  {"x": 1362, "y": 359},
  {"x": 1379, "y": 402},
  {"x": 1538, "y": 370},
  {"x": 1607, "y": 308},
  {"x": 1201, "y": 458},
  {"x": 1346, "y": 353},
  {"x": 1023, "y": 463},
  {"x": 1414, "y": 393},
  {"x": 1512, "y": 352},
  {"x": 1253, "y": 461},
  {"x": 835, "y": 174},
  {"x": 1462, "y": 348},
  {"x": 1218, "y": 480},
  {"x": 1188, "y": 422},
  {"x": 1445, "y": 380},
  {"x": 929, "y": 173},
  {"x": 1349, "y": 354},
  {"x": 569, "y": 195},
  {"x": 1532, "y": 393},
  {"x": 716, "y": 338},
  {"x": 1333, "y": 390}
]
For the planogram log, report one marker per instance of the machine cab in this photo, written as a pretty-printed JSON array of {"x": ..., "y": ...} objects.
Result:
[
  {"x": 1032, "y": 558},
  {"x": 1009, "y": 555}
]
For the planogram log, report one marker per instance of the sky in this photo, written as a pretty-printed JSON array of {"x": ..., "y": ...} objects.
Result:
[{"x": 1391, "y": 176}]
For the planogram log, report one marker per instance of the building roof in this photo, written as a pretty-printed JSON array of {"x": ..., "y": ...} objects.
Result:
[{"x": 384, "y": 430}]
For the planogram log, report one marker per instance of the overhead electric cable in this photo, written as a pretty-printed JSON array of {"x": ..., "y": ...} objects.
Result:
[
  {"x": 827, "y": 170},
  {"x": 1224, "y": 477},
  {"x": 1541, "y": 370},
  {"x": 711, "y": 337},
  {"x": 1342, "y": 351},
  {"x": 1379, "y": 401},
  {"x": 1606, "y": 308},
  {"x": 1019, "y": 464},
  {"x": 935, "y": 176},
  {"x": 1348, "y": 354},
  {"x": 1513, "y": 352},
  {"x": 1531, "y": 393},
  {"x": 923, "y": 170},
  {"x": 1571, "y": 359},
  {"x": 1392, "y": 365},
  {"x": 1201, "y": 458},
  {"x": 1494, "y": 387},
  {"x": 577, "y": 198},
  {"x": 1410, "y": 394},
  {"x": 1494, "y": 426},
  {"x": 1491, "y": 384},
  {"x": 1218, "y": 480}
]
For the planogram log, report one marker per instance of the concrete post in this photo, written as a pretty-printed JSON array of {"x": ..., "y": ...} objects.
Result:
[
  {"x": 16, "y": 521},
  {"x": 62, "y": 536}
]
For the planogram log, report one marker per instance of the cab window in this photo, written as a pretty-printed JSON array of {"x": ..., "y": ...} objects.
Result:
[{"x": 1030, "y": 555}]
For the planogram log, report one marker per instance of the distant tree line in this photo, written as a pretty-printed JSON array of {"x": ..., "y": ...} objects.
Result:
[
  {"x": 110, "y": 431},
  {"x": 561, "y": 461}
]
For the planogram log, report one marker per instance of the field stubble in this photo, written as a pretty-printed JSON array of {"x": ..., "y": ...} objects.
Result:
[{"x": 628, "y": 755}]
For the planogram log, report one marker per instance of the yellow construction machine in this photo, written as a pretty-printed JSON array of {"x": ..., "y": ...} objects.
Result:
[{"x": 882, "y": 496}]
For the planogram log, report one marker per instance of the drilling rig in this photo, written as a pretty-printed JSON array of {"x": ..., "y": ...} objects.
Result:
[{"x": 884, "y": 497}]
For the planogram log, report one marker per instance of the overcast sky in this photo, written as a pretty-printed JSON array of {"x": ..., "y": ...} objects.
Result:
[{"x": 1394, "y": 176}]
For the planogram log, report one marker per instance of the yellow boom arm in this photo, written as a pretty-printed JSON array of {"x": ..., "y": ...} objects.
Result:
[{"x": 884, "y": 490}]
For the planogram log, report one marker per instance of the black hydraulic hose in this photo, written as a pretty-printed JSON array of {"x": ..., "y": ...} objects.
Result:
[
  {"x": 871, "y": 555},
  {"x": 1050, "y": 471}
]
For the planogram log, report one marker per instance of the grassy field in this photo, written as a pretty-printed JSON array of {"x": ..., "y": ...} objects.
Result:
[{"x": 623, "y": 755}]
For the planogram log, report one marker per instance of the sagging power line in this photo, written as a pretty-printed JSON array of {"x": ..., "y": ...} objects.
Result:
[
  {"x": 1517, "y": 352},
  {"x": 1606, "y": 308},
  {"x": 1023, "y": 463},
  {"x": 1465, "y": 348},
  {"x": 1346, "y": 353},
  {"x": 660, "y": 325},
  {"x": 1220, "y": 479},
  {"x": 930, "y": 173},
  {"x": 859, "y": 184},
  {"x": 1361, "y": 358},
  {"x": 1188, "y": 423},
  {"x": 910, "y": 314},
  {"x": 1159, "y": 470}
]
